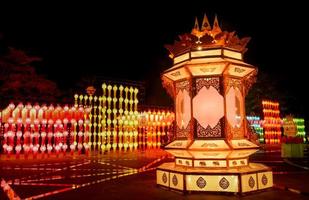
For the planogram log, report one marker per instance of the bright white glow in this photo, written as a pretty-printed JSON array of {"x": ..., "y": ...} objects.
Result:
[
  {"x": 212, "y": 52},
  {"x": 232, "y": 54},
  {"x": 208, "y": 107},
  {"x": 183, "y": 109},
  {"x": 234, "y": 107},
  {"x": 181, "y": 58}
]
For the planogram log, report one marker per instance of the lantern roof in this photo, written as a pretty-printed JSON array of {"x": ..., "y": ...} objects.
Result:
[{"x": 206, "y": 37}]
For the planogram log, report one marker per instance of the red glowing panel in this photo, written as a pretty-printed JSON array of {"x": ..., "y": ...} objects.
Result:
[
  {"x": 272, "y": 122},
  {"x": 208, "y": 107},
  {"x": 183, "y": 109},
  {"x": 234, "y": 108}
]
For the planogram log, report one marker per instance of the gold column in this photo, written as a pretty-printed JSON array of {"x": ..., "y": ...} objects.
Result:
[
  {"x": 76, "y": 100},
  {"x": 99, "y": 124},
  {"x": 114, "y": 145},
  {"x": 109, "y": 121},
  {"x": 120, "y": 118},
  {"x": 103, "y": 122},
  {"x": 81, "y": 99},
  {"x": 95, "y": 122}
]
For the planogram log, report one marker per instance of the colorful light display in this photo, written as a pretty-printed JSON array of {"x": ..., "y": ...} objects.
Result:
[
  {"x": 300, "y": 126},
  {"x": 41, "y": 129},
  {"x": 104, "y": 123},
  {"x": 256, "y": 122},
  {"x": 208, "y": 82},
  {"x": 113, "y": 120},
  {"x": 272, "y": 122},
  {"x": 155, "y": 128},
  {"x": 116, "y": 124}
]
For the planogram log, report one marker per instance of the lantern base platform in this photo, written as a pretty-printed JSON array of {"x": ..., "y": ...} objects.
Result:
[{"x": 253, "y": 177}]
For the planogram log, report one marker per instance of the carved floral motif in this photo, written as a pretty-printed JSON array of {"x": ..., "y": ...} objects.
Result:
[
  {"x": 207, "y": 82},
  {"x": 209, "y": 132}
]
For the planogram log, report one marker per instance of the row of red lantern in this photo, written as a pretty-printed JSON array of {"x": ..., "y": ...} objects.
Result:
[
  {"x": 271, "y": 110},
  {"x": 45, "y": 138},
  {"x": 28, "y": 113},
  {"x": 155, "y": 128},
  {"x": 271, "y": 113},
  {"x": 268, "y": 121},
  {"x": 272, "y": 122},
  {"x": 271, "y": 125},
  {"x": 272, "y": 134},
  {"x": 156, "y": 118},
  {"x": 38, "y": 134},
  {"x": 273, "y": 140},
  {"x": 270, "y": 105}
]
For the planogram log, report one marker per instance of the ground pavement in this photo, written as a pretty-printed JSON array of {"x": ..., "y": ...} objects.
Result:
[{"x": 130, "y": 175}]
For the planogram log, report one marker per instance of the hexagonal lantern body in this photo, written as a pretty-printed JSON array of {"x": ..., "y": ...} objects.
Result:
[
  {"x": 209, "y": 87},
  {"x": 209, "y": 81}
]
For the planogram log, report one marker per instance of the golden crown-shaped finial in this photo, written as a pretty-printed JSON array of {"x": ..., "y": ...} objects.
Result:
[{"x": 207, "y": 37}]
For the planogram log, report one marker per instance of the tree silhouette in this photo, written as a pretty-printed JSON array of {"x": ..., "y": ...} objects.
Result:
[
  {"x": 266, "y": 87},
  {"x": 19, "y": 80}
]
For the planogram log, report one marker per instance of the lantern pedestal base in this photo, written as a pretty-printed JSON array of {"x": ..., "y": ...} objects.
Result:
[{"x": 253, "y": 177}]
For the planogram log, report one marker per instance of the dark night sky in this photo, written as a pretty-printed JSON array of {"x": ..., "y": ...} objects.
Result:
[{"x": 125, "y": 41}]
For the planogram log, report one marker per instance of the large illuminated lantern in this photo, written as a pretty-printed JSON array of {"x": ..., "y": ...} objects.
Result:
[{"x": 209, "y": 81}]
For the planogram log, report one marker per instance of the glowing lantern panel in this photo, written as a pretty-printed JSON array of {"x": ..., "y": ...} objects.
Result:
[
  {"x": 234, "y": 109},
  {"x": 208, "y": 107},
  {"x": 183, "y": 109}
]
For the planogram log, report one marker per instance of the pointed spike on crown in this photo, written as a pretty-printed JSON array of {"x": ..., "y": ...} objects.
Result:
[
  {"x": 214, "y": 36},
  {"x": 196, "y": 26},
  {"x": 216, "y": 27},
  {"x": 205, "y": 23}
]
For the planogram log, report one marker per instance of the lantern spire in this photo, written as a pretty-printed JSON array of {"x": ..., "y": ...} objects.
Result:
[
  {"x": 196, "y": 27},
  {"x": 215, "y": 27},
  {"x": 207, "y": 36},
  {"x": 205, "y": 24}
]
